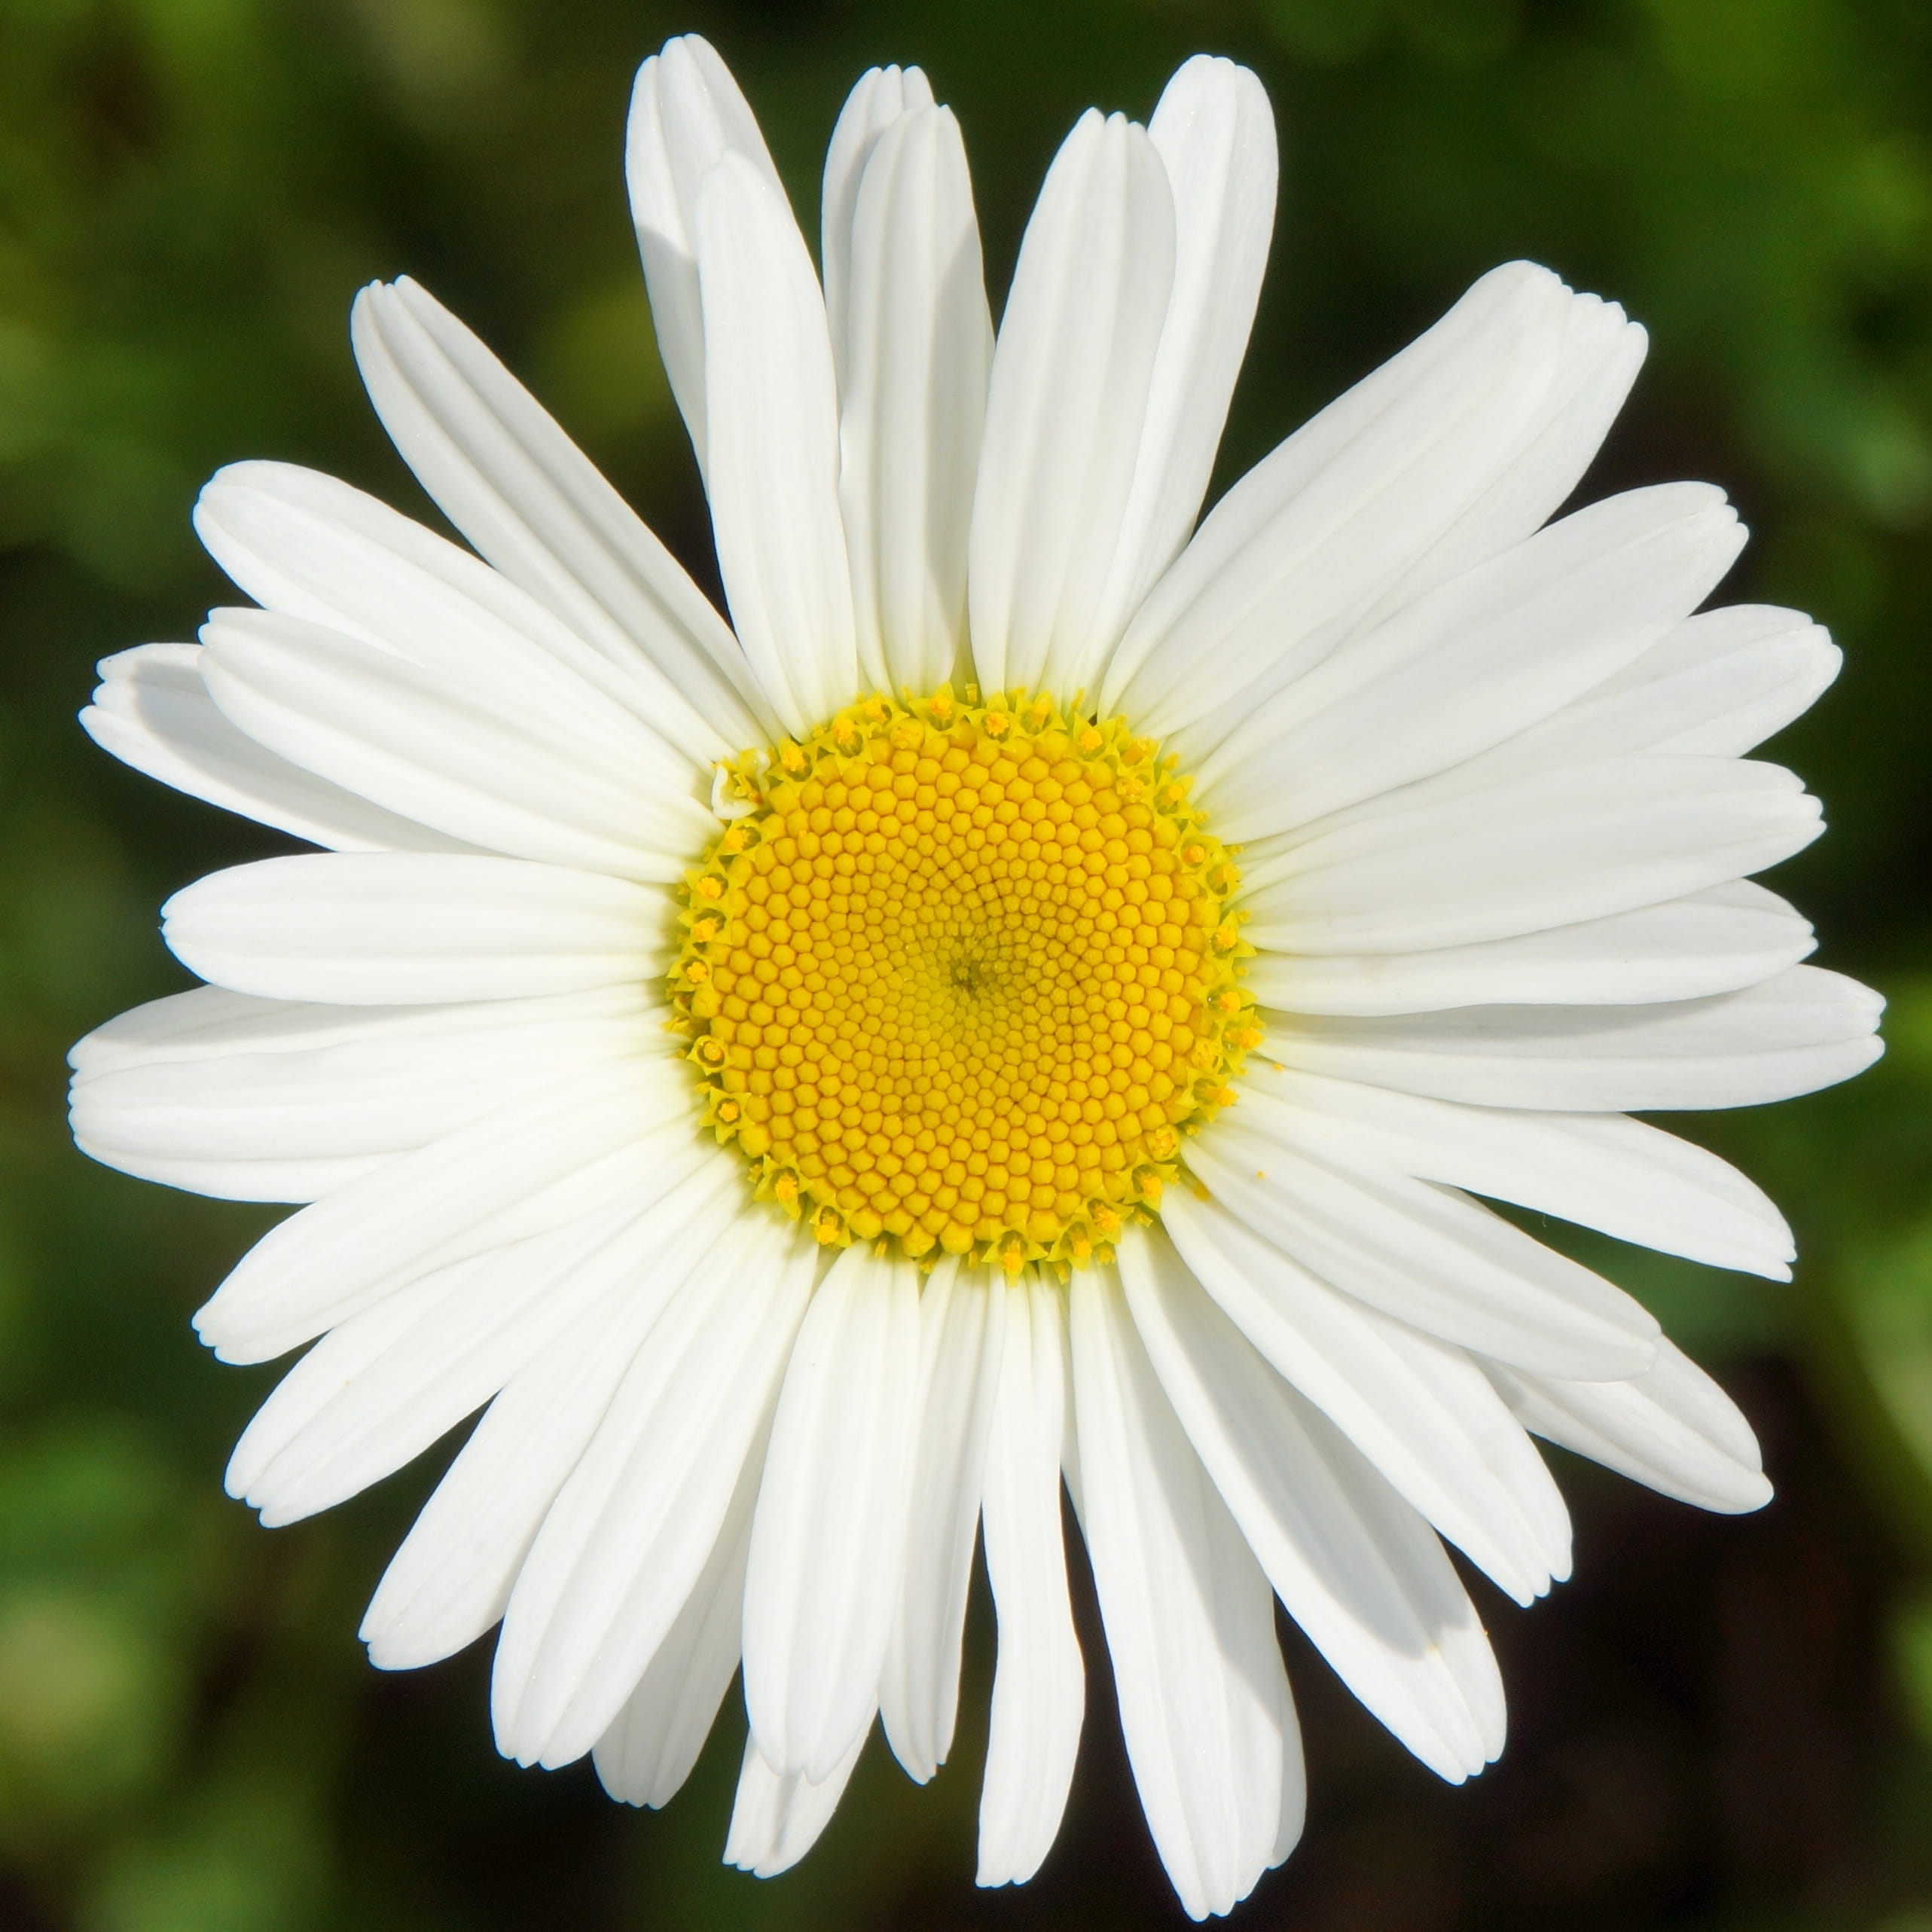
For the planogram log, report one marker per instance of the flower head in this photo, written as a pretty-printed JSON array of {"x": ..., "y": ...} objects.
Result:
[{"x": 1037, "y": 997}]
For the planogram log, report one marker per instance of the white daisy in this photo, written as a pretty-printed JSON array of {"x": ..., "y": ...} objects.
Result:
[{"x": 1038, "y": 996}]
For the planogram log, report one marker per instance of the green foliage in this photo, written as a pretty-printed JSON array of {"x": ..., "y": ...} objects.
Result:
[{"x": 191, "y": 190}]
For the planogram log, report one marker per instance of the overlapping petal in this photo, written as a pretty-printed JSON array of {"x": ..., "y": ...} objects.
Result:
[
  {"x": 524, "y": 1168},
  {"x": 1451, "y": 451},
  {"x": 1718, "y": 940},
  {"x": 962, "y": 1321},
  {"x": 884, "y": 99},
  {"x": 309, "y": 547},
  {"x": 152, "y": 711},
  {"x": 382, "y": 929},
  {"x": 1799, "y": 1030},
  {"x": 687, "y": 113},
  {"x": 452, "y": 1577},
  {"x": 1205, "y": 1702},
  {"x": 1039, "y": 1681},
  {"x": 1428, "y": 1255},
  {"x": 1478, "y": 661},
  {"x": 1603, "y": 1170},
  {"x": 454, "y": 754},
  {"x": 634, "y": 1526},
  {"x": 771, "y": 411},
  {"x": 648, "y": 1753},
  {"x": 776, "y": 1817},
  {"x": 538, "y": 510},
  {"x": 1417, "y": 1408},
  {"x": 1214, "y": 131},
  {"x": 1672, "y": 1428},
  {"x": 829, "y": 1540},
  {"x": 1358, "y": 1569},
  {"x": 1072, "y": 373},
  {"x": 381, "y": 1386},
  {"x": 1547, "y": 848},
  {"x": 1716, "y": 686},
  {"x": 254, "y": 1107}
]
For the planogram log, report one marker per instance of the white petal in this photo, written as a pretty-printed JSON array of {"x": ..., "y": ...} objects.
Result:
[
  {"x": 624, "y": 1543},
  {"x": 772, "y": 409},
  {"x": 828, "y": 1541},
  {"x": 1039, "y": 1690},
  {"x": 1603, "y": 1170},
  {"x": 1417, "y": 1408},
  {"x": 520, "y": 1171},
  {"x": 913, "y": 343},
  {"x": 1708, "y": 690},
  {"x": 686, "y": 114},
  {"x": 1597, "y": 362},
  {"x": 1456, "y": 448},
  {"x": 211, "y": 1023},
  {"x": 1294, "y": 1794},
  {"x": 311, "y": 547},
  {"x": 333, "y": 1407},
  {"x": 383, "y": 1095},
  {"x": 1547, "y": 848},
  {"x": 450, "y": 1579},
  {"x": 1485, "y": 656},
  {"x": 1716, "y": 686},
  {"x": 453, "y": 753},
  {"x": 1674, "y": 1429},
  {"x": 962, "y": 1328},
  {"x": 881, "y": 99},
  {"x": 534, "y": 506},
  {"x": 1428, "y": 1255},
  {"x": 328, "y": 1381},
  {"x": 1066, "y": 406},
  {"x": 1715, "y": 941},
  {"x": 647, "y": 1754},
  {"x": 777, "y": 1818},
  {"x": 289, "y": 1182},
  {"x": 382, "y": 928},
  {"x": 1803, "y": 1030},
  {"x": 1356, "y": 1567},
  {"x": 1204, "y": 1702},
  {"x": 377, "y": 1390},
  {"x": 245, "y": 1080},
  {"x": 152, "y": 711},
  {"x": 1214, "y": 132}
]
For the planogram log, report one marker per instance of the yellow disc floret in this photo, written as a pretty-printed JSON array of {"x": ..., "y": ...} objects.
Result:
[{"x": 963, "y": 978}]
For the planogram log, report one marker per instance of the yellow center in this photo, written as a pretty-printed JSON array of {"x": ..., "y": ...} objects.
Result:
[{"x": 963, "y": 977}]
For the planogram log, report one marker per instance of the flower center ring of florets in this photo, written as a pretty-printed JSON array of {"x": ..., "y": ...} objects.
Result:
[{"x": 963, "y": 977}]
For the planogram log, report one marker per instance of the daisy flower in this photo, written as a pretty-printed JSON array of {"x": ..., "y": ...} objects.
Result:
[{"x": 1040, "y": 997}]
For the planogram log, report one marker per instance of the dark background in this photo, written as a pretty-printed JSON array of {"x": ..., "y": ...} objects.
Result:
[{"x": 1719, "y": 1723}]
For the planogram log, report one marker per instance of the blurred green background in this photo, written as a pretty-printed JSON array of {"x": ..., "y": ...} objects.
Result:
[{"x": 1719, "y": 1724}]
